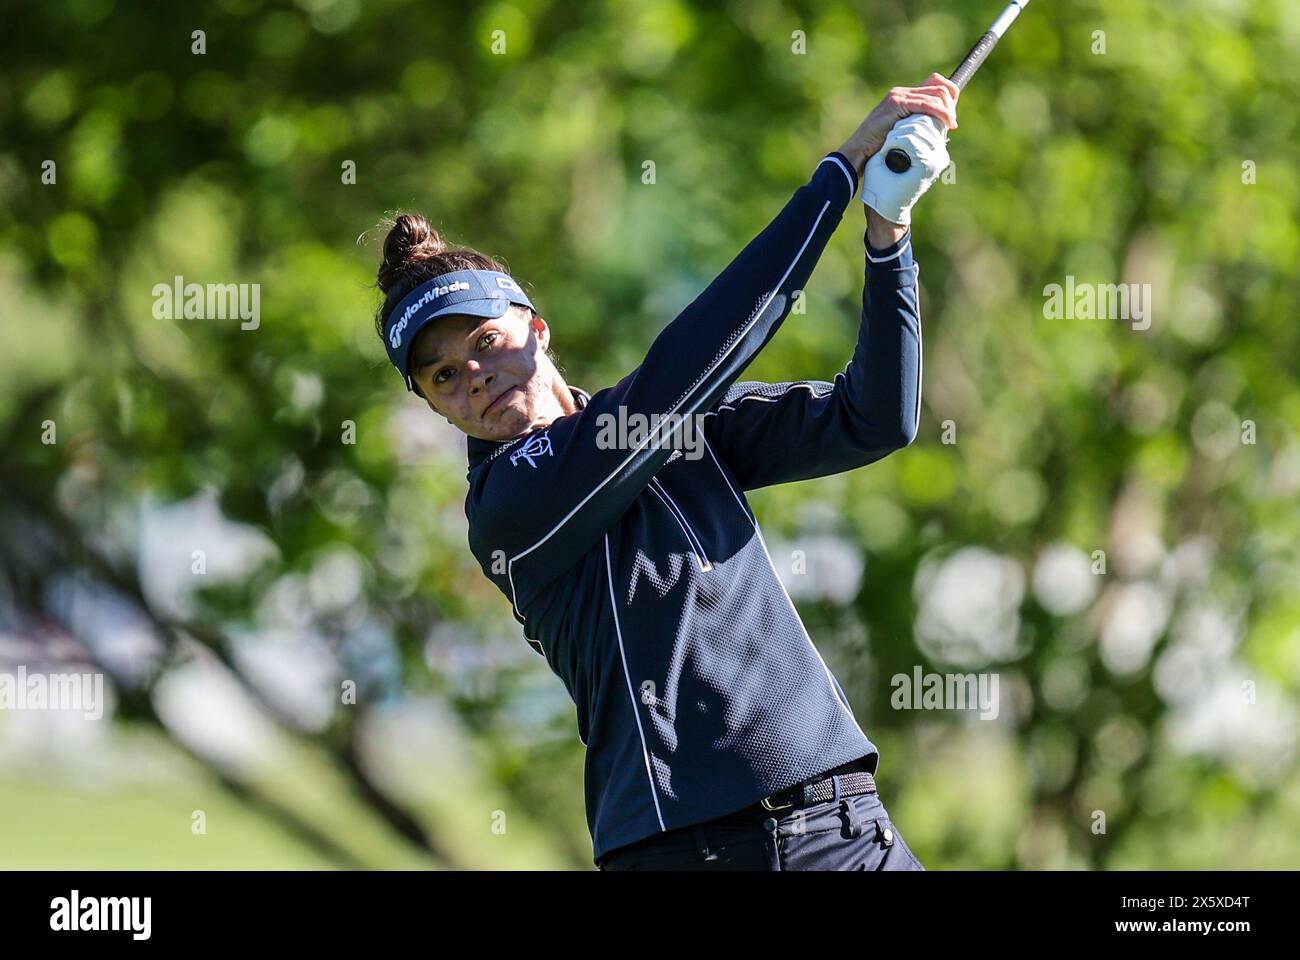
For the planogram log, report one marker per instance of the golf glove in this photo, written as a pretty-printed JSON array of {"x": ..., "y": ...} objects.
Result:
[{"x": 890, "y": 194}]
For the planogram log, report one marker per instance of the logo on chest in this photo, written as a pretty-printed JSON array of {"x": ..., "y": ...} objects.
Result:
[{"x": 536, "y": 446}]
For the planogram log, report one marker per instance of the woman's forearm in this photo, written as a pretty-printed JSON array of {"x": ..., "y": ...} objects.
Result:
[
  {"x": 858, "y": 151},
  {"x": 882, "y": 233}
]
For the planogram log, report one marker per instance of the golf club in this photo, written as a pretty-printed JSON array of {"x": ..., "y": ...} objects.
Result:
[{"x": 898, "y": 160}]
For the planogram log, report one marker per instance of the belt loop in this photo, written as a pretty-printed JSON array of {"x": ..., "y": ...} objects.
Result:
[{"x": 835, "y": 782}]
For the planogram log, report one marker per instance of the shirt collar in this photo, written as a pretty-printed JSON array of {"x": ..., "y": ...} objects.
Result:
[{"x": 480, "y": 451}]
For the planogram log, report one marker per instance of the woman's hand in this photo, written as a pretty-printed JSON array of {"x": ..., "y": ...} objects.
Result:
[{"x": 936, "y": 97}]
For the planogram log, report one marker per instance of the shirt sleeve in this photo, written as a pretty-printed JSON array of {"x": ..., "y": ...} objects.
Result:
[
  {"x": 779, "y": 432},
  {"x": 542, "y": 501}
]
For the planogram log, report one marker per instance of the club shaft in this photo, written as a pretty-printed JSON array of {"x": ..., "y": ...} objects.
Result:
[
  {"x": 966, "y": 69},
  {"x": 898, "y": 160}
]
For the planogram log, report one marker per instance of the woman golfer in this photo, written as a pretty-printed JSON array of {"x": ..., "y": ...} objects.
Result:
[{"x": 616, "y": 523}]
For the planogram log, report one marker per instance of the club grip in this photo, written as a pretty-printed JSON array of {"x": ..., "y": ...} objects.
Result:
[
  {"x": 897, "y": 160},
  {"x": 966, "y": 69}
]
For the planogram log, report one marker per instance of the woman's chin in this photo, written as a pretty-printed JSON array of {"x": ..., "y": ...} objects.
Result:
[{"x": 510, "y": 424}]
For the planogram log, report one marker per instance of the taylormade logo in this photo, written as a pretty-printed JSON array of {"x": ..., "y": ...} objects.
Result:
[
  {"x": 102, "y": 913},
  {"x": 433, "y": 293},
  {"x": 631, "y": 431}
]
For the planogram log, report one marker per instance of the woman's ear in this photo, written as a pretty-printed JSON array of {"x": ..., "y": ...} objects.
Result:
[{"x": 542, "y": 330}]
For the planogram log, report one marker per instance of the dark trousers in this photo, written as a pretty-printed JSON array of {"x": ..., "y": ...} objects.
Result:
[{"x": 852, "y": 833}]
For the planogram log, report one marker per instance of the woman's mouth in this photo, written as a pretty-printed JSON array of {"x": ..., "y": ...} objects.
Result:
[{"x": 505, "y": 393}]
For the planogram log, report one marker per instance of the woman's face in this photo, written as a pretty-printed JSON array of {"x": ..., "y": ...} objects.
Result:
[{"x": 490, "y": 378}]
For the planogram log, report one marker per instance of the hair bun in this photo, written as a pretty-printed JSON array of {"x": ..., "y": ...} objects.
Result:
[
  {"x": 410, "y": 241},
  {"x": 414, "y": 252}
]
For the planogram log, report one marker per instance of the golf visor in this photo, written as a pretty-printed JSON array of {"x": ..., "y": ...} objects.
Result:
[{"x": 474, "y": 293}]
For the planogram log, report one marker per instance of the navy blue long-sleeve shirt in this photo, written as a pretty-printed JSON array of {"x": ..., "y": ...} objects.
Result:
[{"x": 641, "y": 573}]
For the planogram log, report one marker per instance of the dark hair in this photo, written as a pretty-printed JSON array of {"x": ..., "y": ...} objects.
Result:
[{"x": 415, "y": 252}]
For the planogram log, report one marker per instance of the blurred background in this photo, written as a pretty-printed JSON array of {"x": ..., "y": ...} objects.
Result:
[{"x": 257, "y": 537}]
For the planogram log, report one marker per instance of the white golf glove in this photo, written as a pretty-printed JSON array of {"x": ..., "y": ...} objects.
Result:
[{"x": 890, "y": 194}]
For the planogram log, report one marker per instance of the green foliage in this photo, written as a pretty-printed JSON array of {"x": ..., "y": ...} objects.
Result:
[{"x": 1122, "y": 166}]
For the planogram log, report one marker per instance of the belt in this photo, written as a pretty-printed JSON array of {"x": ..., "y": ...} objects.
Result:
[{"x": 853, "y": 782}]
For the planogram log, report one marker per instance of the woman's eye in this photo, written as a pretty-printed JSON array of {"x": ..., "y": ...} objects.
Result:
[
  {"x": 438, "y": 377},
  {"x": 486, "y": 336}
]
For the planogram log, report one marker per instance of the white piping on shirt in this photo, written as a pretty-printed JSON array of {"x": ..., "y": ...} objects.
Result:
[
  {"x": 920, "y": 364},
  {"x": 636, "y": 712},
  {"x": 701, "y": 558},
  {"x": 916, "y": 414},
  {"x": 670, "y": 423},
  {"x": 893, "y": 256},
  {"x": 756, "y": 396},
  {"x": 853, "y": 183}
]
